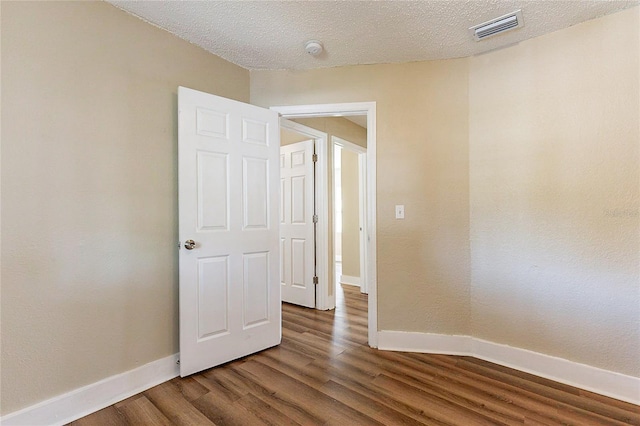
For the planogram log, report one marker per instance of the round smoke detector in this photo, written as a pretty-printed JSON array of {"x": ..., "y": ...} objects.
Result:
[{"x": 313, "y": 47}]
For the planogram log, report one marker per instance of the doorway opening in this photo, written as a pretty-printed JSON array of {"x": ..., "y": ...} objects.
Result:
[
  {"x": 326, "y": 288},
  {"x": 349, "y": 207}
]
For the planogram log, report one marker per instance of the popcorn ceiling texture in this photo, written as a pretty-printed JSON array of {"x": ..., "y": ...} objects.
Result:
[{"x": 271, "y": 34}]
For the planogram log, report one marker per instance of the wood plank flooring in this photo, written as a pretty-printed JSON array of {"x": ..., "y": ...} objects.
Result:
[{"x": 324, "y": 373}]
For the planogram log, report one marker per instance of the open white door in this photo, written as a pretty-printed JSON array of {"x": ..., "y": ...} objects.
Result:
[
  {"x": 297, "y": 241},
  {"x": 228, "y": 228}
]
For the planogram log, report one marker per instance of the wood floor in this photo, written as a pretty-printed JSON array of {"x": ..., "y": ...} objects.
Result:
[{"x": 324, "y": 373}]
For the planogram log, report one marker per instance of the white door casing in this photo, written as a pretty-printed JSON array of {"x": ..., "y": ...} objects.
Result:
[
  {"x": 364, "y": 231},
  {"x": 297, "y": 242},
  {"x": 332, "y": 110},
  {"x": 228, "y": 204},
  {"x": 362, "y": 204}
]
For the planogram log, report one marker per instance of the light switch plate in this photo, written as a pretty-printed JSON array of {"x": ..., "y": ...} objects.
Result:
[{"x": 400, "y": 211}]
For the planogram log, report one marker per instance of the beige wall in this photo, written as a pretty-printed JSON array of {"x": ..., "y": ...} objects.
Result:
[
  {"x": 554, "y": 148},
  {"x": 524, "y": 160},
  {"x": 350, "y": 214},
  {"x": 288, "y": 137},
  {"x": 337, "y": 126},
  {"x": 423, "y": 162},
  {"x": 89, "y": 192}
]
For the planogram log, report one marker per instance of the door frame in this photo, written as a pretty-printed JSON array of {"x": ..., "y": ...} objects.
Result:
[
  {"x": 361, "y": 152},
  {"x": 346, "y": 109},
  {"x": 323, "y": 302}
]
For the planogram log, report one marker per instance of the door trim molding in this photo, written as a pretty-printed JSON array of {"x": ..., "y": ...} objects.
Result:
[
  {"x": 355, "y": 108},
  {"x": 604, "y": 382},
  {"x": 362, "y": 197},
  {"x": 70, "y": 406}
]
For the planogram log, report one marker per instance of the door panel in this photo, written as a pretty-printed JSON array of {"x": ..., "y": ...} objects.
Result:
[
  {"x": 213, "y": 190},
  {"x": 298, "y": 253},
  {"x": 213, "y": 296},
  {"x": 229, "y": 192},
  {"x": 256, "y": 289},
  {"x": 298, "y": 200},
  {"x": 255, "y": 188},
  {"x": 296, "y": 227}
]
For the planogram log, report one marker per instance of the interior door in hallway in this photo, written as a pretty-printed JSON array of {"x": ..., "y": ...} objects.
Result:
[
  {"x": 297, "y": 240},
  {"x": 228, "y": 228}
]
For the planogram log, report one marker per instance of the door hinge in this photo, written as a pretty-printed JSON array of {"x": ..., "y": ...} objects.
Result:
[
  {"x": 315, "y": 158},
  {"x": 315, "y": 280},
  {"x": 315, "y": 218}
]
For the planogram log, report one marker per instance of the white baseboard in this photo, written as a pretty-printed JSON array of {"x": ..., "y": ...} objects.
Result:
[
  {"x": 349, "y": 280},
  {"x": 96, "y": 396},
  {"x": 80, "y": 402},
  {"x": 405, "y": 341},
  {"x": 604, "y": 382}
]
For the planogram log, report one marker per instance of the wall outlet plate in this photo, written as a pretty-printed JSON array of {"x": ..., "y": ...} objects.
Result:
[{"x": 400, "y": 211}]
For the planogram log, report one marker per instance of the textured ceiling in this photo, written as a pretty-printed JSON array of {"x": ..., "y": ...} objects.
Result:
[{"x": 271, "y": 34}]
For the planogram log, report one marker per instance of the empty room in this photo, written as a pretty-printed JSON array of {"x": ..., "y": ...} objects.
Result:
[{"x": 320, "y": 212}]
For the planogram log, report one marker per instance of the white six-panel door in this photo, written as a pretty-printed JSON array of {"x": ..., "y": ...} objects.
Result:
[
  {"x": 229, "y": 194},
  {"x": 297, "y": 246}
]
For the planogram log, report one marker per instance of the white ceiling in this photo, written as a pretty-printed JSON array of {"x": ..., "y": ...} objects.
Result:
[{"x": 271, "y": 34}]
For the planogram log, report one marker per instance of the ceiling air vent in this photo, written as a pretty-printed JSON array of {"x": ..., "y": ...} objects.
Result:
[{"x": 507, "y": 22}]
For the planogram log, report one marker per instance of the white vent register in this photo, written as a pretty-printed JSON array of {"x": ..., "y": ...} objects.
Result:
[{"x": 496, "y": 26}]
